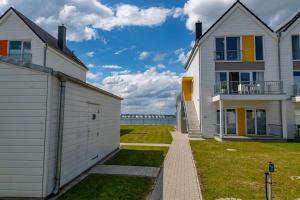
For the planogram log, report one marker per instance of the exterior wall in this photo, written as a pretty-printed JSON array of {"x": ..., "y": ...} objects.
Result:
[
  {"x": 193, "y": 71},
  {"x": 75, "y": 158},
  {"x": 13, "y": 28},
  {"x": 238, "y": 23},
  {"x": 293, "y": 109},
  {"x": 23, "y": 102},
  {"x": 60, "y": 63}
]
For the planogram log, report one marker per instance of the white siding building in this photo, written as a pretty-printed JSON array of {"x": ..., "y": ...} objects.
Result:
[
  {"x": 241, "y": 87},
  {"x": 53, "y": 125}
]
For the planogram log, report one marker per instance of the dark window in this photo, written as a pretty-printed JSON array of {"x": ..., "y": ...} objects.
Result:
[
  {"x": 259, "y": 48},
  {"x": 233, "y": 48},
  {"x": 296, "y": 47},
  {"x": 220, "y": 48}
]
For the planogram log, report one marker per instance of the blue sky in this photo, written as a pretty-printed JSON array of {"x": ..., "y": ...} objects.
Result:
[{"x": 137, "y": 48}]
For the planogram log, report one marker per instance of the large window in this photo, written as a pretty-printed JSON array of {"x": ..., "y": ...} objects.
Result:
[
  {"x": 233, "y": 48},
  {"x": 20, "y": 50},
  {"x": 259, "y": 55},
  {"x": 228, "y": 48},
  {"x": 296, "y": 47},
  {"x": 297, "y": 77}
]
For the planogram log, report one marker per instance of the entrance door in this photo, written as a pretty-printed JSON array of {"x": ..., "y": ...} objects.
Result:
[
  {"x": 234, "y": 78},
  {"x": 241, "y": 121},
  {"x": 93, "y": 132}
]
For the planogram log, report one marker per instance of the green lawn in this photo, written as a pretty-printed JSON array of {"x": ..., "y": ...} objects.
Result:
[
  {"x": 108, "y": 187},
  {"x": 139, "y": 156},
  {"x": 240, "y": 174},
  {"x": 146, "y": 134}
]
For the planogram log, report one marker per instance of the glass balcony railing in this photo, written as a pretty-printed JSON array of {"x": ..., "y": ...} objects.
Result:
[
  {"x": 235, "y": 55},
  {"x": 249, "y": 88},
  {"x": 296, "y": 89},
  {"x": 24, "y": 58}
]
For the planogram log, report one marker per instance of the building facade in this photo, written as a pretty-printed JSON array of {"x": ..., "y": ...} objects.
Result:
[{"x": 240, "y": 78}]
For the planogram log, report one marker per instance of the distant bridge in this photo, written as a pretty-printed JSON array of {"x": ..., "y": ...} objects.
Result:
[{"x": 146, "y": 116}]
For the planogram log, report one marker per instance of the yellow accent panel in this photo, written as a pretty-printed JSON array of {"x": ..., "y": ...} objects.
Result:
[
  {"x": 187, "y": 88},
  {"x": 241, "y": 114},
  {"x": 248, "y": 48}
]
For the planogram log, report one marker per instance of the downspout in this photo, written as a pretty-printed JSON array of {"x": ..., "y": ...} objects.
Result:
[
  {"x": 60, "y": 136},
  {"x": 280, "y": 78},
  {"x": 45, "y": 55}
]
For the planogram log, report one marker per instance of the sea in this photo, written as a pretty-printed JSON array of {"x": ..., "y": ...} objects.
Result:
[{"x": 156, "y": 121}]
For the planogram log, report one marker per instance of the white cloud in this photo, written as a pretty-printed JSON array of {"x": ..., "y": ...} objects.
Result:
[
  {"x": 93, "y": 76},
  {"x": 90, "y": 65},
  {"x": 208, "y": 11},
  {"x": 181, "y": 55},
  {"x": 159, "y": 57},
  {"x": 145, "y": 92},
  {"x": 90, "y": 54},
  {"x": 111, "y": 67},
  {"x": 120, "y": 51},
  {"x": 143, "y": 55},
  {"x": 83, "y": 19},
  {"x": 177, "y": 12}
]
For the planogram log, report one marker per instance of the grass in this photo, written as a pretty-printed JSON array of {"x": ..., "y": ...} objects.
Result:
[
  {"x": 139, "y": 156},
  {"x": 108, "y": 187},
  {"x": 146, "y": 134},
  {"x": 240, "y": 174}
]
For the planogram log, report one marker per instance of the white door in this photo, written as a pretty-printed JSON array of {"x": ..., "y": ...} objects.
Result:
[{"x": 93, "y": 132}]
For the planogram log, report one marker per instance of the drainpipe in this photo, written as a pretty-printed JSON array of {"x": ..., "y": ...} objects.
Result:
[
  {"x": 60, "y": 137},
  {"x": 280, "y": 78}
]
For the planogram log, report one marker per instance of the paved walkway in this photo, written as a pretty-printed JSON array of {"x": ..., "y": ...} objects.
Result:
[
  {"x": 125, "y": 170},
  {"x": 178, "y": 178},
  {"x": 145, "y": 144}
]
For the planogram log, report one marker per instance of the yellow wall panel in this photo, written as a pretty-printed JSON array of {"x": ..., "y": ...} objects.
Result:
[
  {"x": 241, "y": 114},
  {"x": 248, "y": 48},
  {"x": 187, "y": 88}
]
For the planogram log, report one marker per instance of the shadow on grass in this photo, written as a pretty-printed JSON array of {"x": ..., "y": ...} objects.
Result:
[
  {"x": 150, "y": 158},
  {"x": 126, "y": 131}
]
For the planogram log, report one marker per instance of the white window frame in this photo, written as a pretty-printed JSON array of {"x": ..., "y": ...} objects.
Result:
[
  {"x": 22, "y": 46},
  {"x": 255, "y": 121}
]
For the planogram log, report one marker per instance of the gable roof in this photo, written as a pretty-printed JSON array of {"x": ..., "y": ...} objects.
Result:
[
  {"x": 214, "y": 24},
  {"x": 46, "y": 37},
  {"x": 289, "y": 23}
]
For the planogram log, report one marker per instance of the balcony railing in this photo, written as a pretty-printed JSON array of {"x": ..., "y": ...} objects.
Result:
[
  {"x": 249, "y": 88},
  {"x": 24, "y": 58},
  {"x": 228, "y": 55}
]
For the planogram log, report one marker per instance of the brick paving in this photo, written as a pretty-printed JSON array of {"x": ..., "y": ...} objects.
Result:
[
  {"x": 145, "y": 144},
  {"x": 178, "y": 178},
  {"x": 125, "y": 170}
]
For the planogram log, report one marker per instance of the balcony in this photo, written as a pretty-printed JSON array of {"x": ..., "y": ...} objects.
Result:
[
  {"x": 237, "y": 90},
  {"x": 23, "y": 58},
  {"x": 235, "y": 55}
]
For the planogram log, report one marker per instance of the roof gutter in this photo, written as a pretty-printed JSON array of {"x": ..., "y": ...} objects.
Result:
[{"x": 60, "y": 137}]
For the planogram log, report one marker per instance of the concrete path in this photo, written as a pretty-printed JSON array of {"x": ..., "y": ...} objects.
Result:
[
  {"x": 125, "y": 170},
  {"x": 178, "y": 178},
  {"x": 145, "y": 144}
]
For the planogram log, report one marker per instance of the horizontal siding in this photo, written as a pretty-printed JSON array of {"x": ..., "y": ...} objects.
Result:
[
  {"x": 76, "y": 158},
  {"x": 23, "y": 96}
]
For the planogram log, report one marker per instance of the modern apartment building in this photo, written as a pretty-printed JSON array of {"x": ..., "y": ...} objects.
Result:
[{"x": 241, "y": 79}]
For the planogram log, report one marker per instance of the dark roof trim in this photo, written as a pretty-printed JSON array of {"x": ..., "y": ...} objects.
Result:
[
  {"x": 58, "y": 74},
  {"x": 287, "y": 25},
  {"x": 212, "y": 26},
  {"x": 46, "y": 37}
]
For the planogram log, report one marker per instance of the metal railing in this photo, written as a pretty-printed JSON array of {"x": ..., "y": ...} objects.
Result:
[
  {"x": 249, "y": 88},
  {"x": 24, "y": 57},
  {"x": 235, "y": 55}
]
